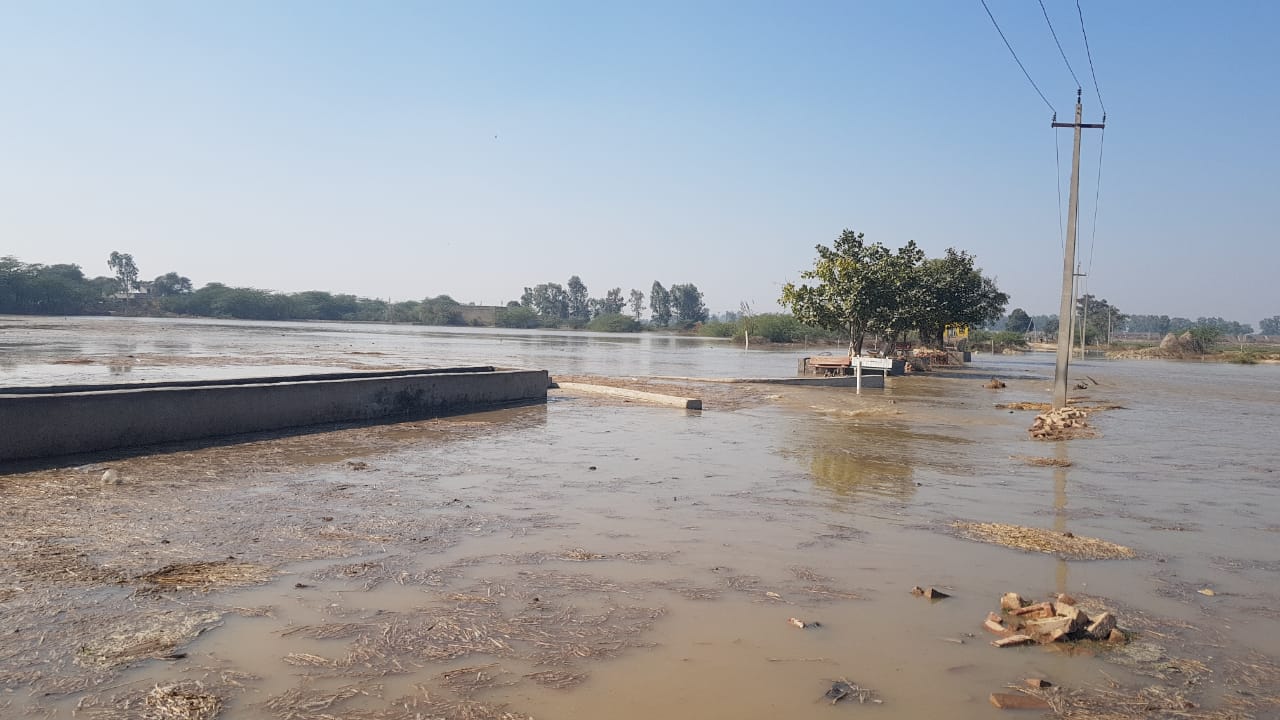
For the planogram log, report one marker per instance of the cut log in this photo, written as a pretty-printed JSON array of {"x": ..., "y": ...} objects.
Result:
[{"x": 1012, "y": 701}]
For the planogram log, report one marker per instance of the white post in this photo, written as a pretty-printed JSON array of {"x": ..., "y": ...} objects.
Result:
[{"x": 857, "y": 374}]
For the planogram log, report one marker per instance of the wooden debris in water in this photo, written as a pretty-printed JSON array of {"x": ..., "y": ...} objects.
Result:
[
  {"x": 327, "y": 631},
  {"x": 372, "y": 573},
  {"x": 184, "y": 701},
  {"x": 206, "y": 575},
  {"x": 1038, "y": 407},
  {"x": 308, "y": 702},
  {"x": 308, "y": 660},
  {"x": 557, "y": 679},
  {"x": 154, "y": 636},
  {"x": 1119, "y": 703},
  {"x": 468, "y": 680},
  {"x": 1065, "y": 545},
  {"x": 1042, "y": 461},
  {"x": 842, "y": 689}
]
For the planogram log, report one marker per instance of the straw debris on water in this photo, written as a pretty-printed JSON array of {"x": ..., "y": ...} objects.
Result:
[
  {"x": 181, "y": 702},
  {"x": 1065, "y": 545},
  {"x": 206, "y": 575}
]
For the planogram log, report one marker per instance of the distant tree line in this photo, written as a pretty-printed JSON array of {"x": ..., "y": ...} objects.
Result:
[
  {"x": 570, "y": 305},
  {"x": 1104, "y": 319},
  {"x": 35, "y": 289}
]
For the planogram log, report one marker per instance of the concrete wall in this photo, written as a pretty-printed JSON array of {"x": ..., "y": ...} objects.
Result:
[
  {"x": 45, "y": 425},
  {"x": 486, "y": 315}
]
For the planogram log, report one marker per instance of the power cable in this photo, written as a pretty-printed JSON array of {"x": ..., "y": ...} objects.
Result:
[
  {"x": 1097, "y": 191},
  {"x": 1059, "y": 44},
  {"x": 1015, "y": 57},
  {"x": 1089, "y": 55},
  {"x": 1057, "y": 161}
]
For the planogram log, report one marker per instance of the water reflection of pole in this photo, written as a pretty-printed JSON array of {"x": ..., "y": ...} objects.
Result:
[{"x": 1060, "y": 508}]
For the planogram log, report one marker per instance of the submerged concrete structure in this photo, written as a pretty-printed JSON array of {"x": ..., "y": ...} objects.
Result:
[{"x": 39, "y": 422}]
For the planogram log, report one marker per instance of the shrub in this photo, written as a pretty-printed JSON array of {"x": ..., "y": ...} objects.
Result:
[
  {"x": 1203, "y": 337},
  {"x": 613, "y": 322},
  {"x": 517, "y": 317},
  {"x": 715, "y": 328}
]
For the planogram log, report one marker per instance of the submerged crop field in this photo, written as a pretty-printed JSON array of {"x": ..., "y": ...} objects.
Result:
[{"x": 596, "y": 557}]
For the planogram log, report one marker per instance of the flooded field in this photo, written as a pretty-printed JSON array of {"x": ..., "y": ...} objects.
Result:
[{"x": 593, "y": 558}]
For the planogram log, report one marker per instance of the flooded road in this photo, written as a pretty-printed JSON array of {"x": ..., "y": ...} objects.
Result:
[{"x": 599, "y": 559}]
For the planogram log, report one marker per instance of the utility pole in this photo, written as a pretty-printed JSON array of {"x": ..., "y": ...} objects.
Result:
[
  {"x": 1065, "y": 313},
  {"x": 1075, "y": 303}
]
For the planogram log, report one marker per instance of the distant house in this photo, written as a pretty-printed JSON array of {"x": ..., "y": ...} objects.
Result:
[{"x": 141, "y": 290}]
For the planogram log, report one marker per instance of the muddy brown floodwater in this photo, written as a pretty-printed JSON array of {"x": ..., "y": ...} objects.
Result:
[{"x": 591, "y": 558}]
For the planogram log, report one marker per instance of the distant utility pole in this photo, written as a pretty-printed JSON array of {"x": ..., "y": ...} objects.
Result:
[
  {"x": 1084, "y": 317},
  {"x": 1068, "y": 261}
]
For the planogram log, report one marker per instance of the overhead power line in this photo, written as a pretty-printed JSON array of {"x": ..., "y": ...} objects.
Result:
[
  {"x": 1015, "y": 57},
  {"x": 1057, "y": 161},
  {"x": 1059, "y": 44},
  {"x": 1097, "y": 191},
  {"x": 1089, "y": 55}
]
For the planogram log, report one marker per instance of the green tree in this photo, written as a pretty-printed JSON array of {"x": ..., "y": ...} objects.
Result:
[
  {"x": 1019, "y": 321},
  {"x": 549, "y": 300},
  {"x": 440, "y": 310},
  {"x": 687, "y": 306},
  {"x": 951, "y": 290},
  {"x": 125, "y": 269},
  {"x": 1270, "y": 326},
  {"x": 660, "y": 305},
  {"x": 637, "y": 303},
  {"x": 897, "y": 275},
  {"x": 855, "y": 286},
  {"x": 170, "y": 284},
  {"x": 579, "y": 306},
  {"x": 612, "y": 303},
  {"x": 1096, "y": 313}
]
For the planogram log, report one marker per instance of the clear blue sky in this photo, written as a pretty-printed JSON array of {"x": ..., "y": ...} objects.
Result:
[{"x": 411, "y": 149}]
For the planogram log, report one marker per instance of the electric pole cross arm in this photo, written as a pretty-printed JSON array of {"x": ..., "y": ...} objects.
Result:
[{"x": 1066, "y": 308}]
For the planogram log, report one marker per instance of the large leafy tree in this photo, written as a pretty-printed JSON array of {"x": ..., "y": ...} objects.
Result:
[
  {"x": 660, "y": 304},
  {"x": 687, "y": 306},
  {"x": 854, "y": 287},
  {"x": 1019, "y": 321},
  {"x": 170, "y": 284},
  {"x": 549, "y": 300},
  {"x": 440, "y": 310},
  {"x": 951, "y": 290},
  {"x": 1270, "y": 326}
]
